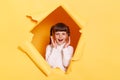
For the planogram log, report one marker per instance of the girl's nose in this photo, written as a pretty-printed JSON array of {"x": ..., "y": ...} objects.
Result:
[{"x": 60, "y": 35}]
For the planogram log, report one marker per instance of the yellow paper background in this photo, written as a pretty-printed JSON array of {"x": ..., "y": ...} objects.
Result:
[{"x": 100, "y": 59}]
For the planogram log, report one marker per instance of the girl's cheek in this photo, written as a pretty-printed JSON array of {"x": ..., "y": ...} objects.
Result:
[
  {"x": 65, "y": 36},
  {"x": 56, "y": 36}
]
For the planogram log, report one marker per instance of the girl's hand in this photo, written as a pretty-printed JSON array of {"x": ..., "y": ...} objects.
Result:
[
  {"x": 68, "y": 43},
  {"x": 54, "y": 44}
]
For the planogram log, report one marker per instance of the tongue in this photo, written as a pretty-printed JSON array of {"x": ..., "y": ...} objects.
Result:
[{"x": 60, "y": 39}]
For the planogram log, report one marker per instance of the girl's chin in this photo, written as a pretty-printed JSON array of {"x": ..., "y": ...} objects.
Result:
[{"x": 60, "y": 43}]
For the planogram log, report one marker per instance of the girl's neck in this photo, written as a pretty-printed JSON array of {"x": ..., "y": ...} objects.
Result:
[{"x": 61, "y": 44}]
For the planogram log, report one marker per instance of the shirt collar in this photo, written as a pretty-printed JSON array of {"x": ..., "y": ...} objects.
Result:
[{"x": 62, "y": 45}]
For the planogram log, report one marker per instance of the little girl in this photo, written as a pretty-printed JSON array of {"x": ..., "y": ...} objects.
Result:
[{"x": 59, "y": 51}]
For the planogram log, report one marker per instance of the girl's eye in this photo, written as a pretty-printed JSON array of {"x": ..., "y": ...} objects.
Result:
[
  {"x": 63, "y": 33},
  {"x": 56, "y": 33}
]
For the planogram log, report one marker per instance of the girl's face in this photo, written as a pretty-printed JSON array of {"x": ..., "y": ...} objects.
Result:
[{"x": 60, "y": 37}]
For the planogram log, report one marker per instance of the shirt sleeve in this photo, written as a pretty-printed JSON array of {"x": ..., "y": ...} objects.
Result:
[
  {"x": 67, "y": 55},
  {"x": 48, "y": 49},
  {"x": 50, "y": 54}
]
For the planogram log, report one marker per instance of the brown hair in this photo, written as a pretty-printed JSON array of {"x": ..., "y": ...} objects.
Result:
[{"x": 59, "y": 27}]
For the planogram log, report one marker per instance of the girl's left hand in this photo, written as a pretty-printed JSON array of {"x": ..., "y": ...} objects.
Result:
[
  {"x": 68, "y": 43},
  {"x": 53, "y": 43}
]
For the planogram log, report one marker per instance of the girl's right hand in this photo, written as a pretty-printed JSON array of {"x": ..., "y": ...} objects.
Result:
[{"x": 53, "y": 43}]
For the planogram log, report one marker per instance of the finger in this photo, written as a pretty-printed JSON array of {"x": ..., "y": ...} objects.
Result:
[
  {"x": 68, "y": 43},
  {"x": 55, "y": 42},
  {"x": 51, "y": 39},
  {"x": 69, "y": 40}
]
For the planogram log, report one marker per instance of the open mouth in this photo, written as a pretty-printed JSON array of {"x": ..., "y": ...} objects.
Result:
[{"x": 60, "y": 40}]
